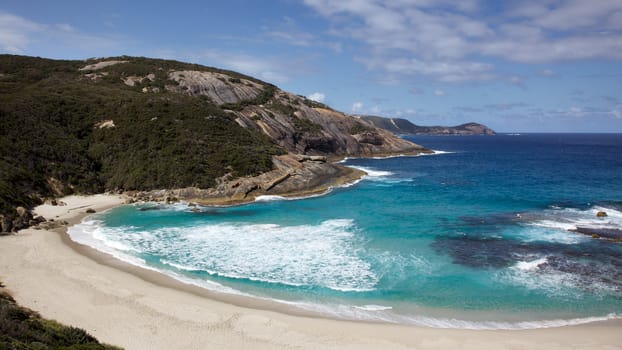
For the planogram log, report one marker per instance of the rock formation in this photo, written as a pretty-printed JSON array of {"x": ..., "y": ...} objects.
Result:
[
  {"x": 145, "y": 114},
  {"x": 404, "y": 127}
]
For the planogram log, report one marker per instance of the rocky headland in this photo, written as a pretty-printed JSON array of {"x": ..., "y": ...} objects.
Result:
[
  {"x": 164, "y": 130},
  {"x": 401, "y": 126}
]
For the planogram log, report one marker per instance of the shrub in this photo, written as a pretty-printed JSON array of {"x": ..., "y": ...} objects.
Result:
[{"x": 49, "y": 111}]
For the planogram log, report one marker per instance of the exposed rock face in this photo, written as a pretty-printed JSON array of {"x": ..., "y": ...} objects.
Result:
[
  {"x": 133, "y": 80},
  {"x": 220, "y": 88},
  {"x": 403, "y": 126},
  {"x": 303, "y": 129},
  {"x": 295, "y": 123},
  {"x": 20, "y": 219},
  {"x": 293, "y": 175},
  {"x": 101, "y": 65},
  {"x": 105, "y": 124},
  {"x": 311, "y": 133}
]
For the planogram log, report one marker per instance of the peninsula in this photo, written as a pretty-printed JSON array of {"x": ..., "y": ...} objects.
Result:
[
  {"x": 160, "y": 129},
  {"x": 401, "y": 126}
]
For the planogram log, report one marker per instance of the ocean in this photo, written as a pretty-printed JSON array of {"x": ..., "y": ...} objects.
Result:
[{"x": 478, "y": 235}]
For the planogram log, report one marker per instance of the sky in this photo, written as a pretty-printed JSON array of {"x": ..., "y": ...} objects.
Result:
[{"x": 516, "y": 66}]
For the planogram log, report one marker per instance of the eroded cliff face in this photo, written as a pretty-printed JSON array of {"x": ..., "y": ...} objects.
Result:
[
  {"x": 301, "y": 128},
  {"x": 312, "y": 134},
  {"x": 295, "y": 123},
  {"x": 220, "y": 88}
]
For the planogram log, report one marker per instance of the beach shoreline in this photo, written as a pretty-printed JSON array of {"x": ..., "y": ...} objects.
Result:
[{"x": 136, "y": 308}]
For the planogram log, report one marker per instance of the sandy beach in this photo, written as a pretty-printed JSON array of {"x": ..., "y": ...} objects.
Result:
[{"x": 138, "y": 309}]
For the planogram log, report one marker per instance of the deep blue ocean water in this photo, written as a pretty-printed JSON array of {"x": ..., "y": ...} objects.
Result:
[{"x": 476, "y": 236}]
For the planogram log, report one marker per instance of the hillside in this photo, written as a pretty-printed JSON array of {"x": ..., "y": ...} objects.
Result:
[
  {"x": 139, "y": 124},
  {"x": 400, "y": 126}
]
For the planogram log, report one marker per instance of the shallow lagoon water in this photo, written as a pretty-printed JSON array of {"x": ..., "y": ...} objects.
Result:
[{"x": 476, "y": 236}]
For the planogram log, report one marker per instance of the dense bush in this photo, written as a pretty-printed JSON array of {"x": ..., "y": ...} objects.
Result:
[{"x": 48, "y": 135}]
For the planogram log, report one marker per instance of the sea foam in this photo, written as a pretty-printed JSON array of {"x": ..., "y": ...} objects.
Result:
[
  {"x": 324, "y": 255},
  {"x": 561, "y": 220}
]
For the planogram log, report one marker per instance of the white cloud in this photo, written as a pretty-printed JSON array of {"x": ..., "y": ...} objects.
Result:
[
  {"x": 317, "y": 97},
  {"x": 547, "y": 73},
  {"x": 575, "y": 14},
  {"x": 293, "y": 38},
  {"x": 15, "y": 32},
  {"x": 289, "y": 32},
  {"x": 264, "y": 68},
  {"x": 450, "y": 43},
  {"x": 443, "y": 71},
  {"x": 439, "y": 92},
  {"x": 20, "y": 35},
  {"x": 357, "y": 107},
  {"x": 516, "y": 80},
  {"x": 66, "y": 27}
]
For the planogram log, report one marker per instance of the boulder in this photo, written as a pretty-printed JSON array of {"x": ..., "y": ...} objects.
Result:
[
  {"x": 36, "y": 221},
  {"x": 21, "y": 211},
  {"x": 6, "y": 223},
  {"x": 90, "y": 211},
  {"x": 21, "y": 220}
]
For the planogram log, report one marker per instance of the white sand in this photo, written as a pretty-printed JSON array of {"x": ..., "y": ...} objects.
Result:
[{"x": 135, "y": 309}]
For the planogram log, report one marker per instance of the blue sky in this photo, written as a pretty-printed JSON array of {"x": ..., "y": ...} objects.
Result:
[{"x": 539, "y": 66}]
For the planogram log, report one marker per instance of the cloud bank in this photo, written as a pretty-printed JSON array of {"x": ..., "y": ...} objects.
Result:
[{"x": 450, "y": 41}]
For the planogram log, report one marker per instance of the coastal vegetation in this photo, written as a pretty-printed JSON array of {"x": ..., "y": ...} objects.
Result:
[
  {"x": 64, "y": 130},
  {"x": 134, "y": 124},
  {"x": 21, "y": 328}
]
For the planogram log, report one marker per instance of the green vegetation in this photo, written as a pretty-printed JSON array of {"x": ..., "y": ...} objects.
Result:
[
  {"x": 314, "y": 104},
  {"x": 278, "y": 107},
  {"x": 51, "y": 144},
  {"x": 305, "y": 126},
  {"x": 359, "y": 128},
  {"x": 21, "y": 328},
  {"x": 265, "y": 96}
]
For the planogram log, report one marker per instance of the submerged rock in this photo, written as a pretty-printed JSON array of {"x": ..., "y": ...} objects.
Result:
[{"x": 597, "y": 232}]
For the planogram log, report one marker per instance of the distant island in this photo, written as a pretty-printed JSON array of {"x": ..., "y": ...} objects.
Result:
[
  {"x": 401, "y": 126},
  {"x": 166, "y": 130}
]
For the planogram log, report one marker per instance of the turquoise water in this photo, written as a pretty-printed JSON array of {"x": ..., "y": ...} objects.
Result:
[{"x": 476, "y": 236}]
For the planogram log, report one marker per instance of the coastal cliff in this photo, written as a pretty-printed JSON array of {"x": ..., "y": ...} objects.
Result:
[
  {"x": 401, "y": 126},
  {"x": 147, "y": 126}
]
